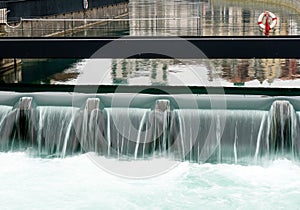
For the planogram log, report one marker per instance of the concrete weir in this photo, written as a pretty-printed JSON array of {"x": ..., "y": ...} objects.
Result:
[{"x": 185, "y": 127}]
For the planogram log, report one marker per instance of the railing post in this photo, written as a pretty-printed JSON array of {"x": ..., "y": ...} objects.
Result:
[
  {"x": 31, "y": 28},
  {"x": 65, "y": 28}
]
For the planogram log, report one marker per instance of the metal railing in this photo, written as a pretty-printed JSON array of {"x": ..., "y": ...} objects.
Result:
[
  {"x": 182, "y": 26},
  {"x": 3, "y": 16}
]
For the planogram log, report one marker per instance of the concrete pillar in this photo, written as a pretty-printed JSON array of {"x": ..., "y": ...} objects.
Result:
[
  {"x": 162, "y": 105},
  {"x": 25, "y": 103},
  {"x": 91, "y": 104}
]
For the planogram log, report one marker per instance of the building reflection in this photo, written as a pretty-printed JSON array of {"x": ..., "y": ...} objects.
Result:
[
  {"x": 213, "y": 18},
  {"x": 153, "y": 71},
  {"x": 206, "y": 18},
  {"x": 240, "y": 71},
  {"x": 181, "y": 18},
  {"x": 236, "y": 71},
  {"x": 290, "y": 70}
]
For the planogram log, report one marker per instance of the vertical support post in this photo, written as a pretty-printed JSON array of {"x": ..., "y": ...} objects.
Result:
[
  {"x": 22, "y": 28},
  {"x": 31, "y": 28},
  {"x": 72, "y": 24},
  {"x": 15, "y": 70},
  {"x": 3, "y": 19},
  {"x": 64, "y": 27}
]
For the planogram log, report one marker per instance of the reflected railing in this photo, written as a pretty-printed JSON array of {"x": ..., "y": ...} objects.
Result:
[{"x": 150, "y": 26}]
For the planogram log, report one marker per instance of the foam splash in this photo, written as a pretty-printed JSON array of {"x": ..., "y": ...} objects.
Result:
[{"x": 77, "y": 183}]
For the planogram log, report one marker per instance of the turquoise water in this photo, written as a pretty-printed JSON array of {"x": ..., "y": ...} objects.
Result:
[{"x": 77, "y": 183}]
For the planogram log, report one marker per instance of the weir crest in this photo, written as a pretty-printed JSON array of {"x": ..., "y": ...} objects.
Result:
[{"x": 156, "y": 128}]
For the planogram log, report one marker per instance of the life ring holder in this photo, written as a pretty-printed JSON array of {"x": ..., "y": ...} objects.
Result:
[
  {"x": 85, "y": 4},
  {"x": 267, "y": 14}
]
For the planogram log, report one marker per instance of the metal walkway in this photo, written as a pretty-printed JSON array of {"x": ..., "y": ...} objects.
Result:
[{"x": 152, "y": 47}]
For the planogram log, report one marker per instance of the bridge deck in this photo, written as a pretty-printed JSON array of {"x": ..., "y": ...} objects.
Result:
[
  {"x": 155, "y": 90},
  {"x": 152, "y": 47}
]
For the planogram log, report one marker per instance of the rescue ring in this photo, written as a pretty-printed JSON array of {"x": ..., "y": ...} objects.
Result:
[{"x": 267, "y": 15}]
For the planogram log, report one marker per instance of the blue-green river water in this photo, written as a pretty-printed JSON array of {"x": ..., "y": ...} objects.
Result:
[{"x": 79, "y": 182}]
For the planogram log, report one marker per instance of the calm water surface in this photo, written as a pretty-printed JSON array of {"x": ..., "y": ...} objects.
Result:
[
  {"x": 178, "y": 18},
  {"x": 217, "y": 72}
]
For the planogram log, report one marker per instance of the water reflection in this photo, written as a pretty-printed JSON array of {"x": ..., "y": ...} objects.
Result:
[
  {"x": 143, "y": 71},
  {"x": 181, "y": 18},
  {"x": 265, "y": 71},
  {"x": 11, "y": 75},
  {"x": 224, "y": 72},
  {"x": 207, "y": 18},
  {"x": 46, "y": 71},
  {"x": 106, "y": 29},
  {"x": 200, "y": 72}
]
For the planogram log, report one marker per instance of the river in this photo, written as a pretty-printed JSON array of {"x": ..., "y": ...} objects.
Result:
[{"x": 178, "y": 18}]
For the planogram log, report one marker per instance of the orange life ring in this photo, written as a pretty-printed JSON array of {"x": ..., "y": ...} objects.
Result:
[{"x": 271, "y": 16}]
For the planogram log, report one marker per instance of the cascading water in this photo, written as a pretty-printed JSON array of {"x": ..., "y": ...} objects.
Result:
[
  {"x": 197, "y": 135},
  {"x": 217, "y": 135},
  {"x": 5, "y": 127},
  {"x": 127, "y": 131},
  {"x": 283, "y": 135},
  {"x": 54, "y": 130}
]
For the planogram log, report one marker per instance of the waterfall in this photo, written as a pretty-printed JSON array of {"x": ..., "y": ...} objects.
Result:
[
  {"x": 245, "y": 135},
  {"x": 233, "y": 135},
  {"x": 284, "y": 130},
  {"x": 127, "y": 131},
  {"x": 54, "y": 131},
  {"x": 216, "y": 135},
  {"x": 5, "y": 127}
]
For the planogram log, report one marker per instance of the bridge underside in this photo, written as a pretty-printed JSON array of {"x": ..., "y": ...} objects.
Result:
[
  {"x": 149, "y": 90},
  {"x": 152, "y": 47}
]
